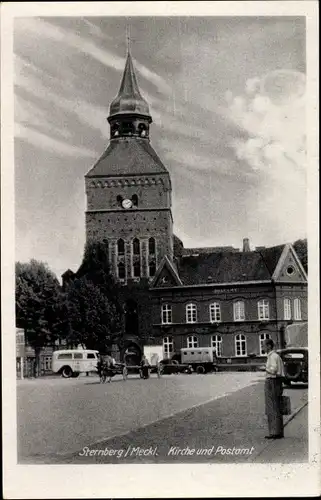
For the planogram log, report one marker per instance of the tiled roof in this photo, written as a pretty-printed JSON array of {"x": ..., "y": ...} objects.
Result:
[
  {"x": 228, "y": 267},
  {"x": 126, "y": 156},
  {"x": 271, "y": 256},
  {"x": 208, "y": 250}
]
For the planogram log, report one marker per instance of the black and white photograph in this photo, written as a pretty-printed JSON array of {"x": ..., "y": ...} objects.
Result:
[{"x": 162, "y": 191}]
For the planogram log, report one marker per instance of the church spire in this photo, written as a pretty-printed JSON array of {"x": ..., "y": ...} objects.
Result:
[{"x": 129, "y": 100}]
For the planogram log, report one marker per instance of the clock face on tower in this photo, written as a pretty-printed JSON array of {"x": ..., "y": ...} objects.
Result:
[{"x": 127, "y": 203}]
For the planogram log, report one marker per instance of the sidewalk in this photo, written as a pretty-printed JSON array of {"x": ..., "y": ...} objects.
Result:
[
  {"x": 236, "y": 420},
  {"x": 294, "y": 444}
]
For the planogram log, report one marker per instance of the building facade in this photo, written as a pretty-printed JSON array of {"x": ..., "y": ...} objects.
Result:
[{"x": 222, "y": 297}]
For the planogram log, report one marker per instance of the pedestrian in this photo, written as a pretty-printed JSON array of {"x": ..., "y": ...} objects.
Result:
[
  {"x": 273, "y": 391},
  {"x": 145, "y": 367}
]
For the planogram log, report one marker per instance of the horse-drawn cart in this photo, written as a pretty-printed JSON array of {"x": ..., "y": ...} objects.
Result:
[{"x": 107, "y": 372}]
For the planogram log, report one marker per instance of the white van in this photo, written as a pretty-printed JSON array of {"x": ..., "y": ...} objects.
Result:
[{"x": 71, "y": 362}]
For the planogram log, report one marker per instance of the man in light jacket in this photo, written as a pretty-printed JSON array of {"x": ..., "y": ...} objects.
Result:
[{"x": 273, "y": 391}]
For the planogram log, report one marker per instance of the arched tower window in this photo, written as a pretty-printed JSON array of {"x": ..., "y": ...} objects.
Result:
[
  {"x": 121, "y": 247},
  {"x": 121, "y": 271},
  {"x": 152, "y": 268},
  {"x": 136, "y": 269},
  {"x": 136, "y": 246},
  {"x": 151, "y": 246}
]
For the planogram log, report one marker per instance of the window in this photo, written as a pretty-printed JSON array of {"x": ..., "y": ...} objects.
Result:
[
  {"x": 263, "y": 309},
  {"x": 66, "y": 355},
  {"x": 151, "y": 246},
  {"x": 263, "y": 338},
  {"x": 192, "y": 341},
  {"x": 217, "y": 344},
  {"x": 239, "y": 314},
  {"x": 91, "y": 355},
  {"x": 191, "y": 313},
  {"x": 152, "y": 268},
  {"x": 135, "y": 200},
  {"x": 136, "y": 269},
  {"x": 166, "y": 314},
  {"x": 215, "y": 312},
  {"x": 287, "y": 309},
  {"x": 78, "y": 355},
  {"x": 136, "y": 246},
  {"x": 168, "y": 346},
  {"x": 240, "y": 345},
  {"x": 297, "y": 309},
  {"x": 120, "y": 247},
  {"x": 121, "y": 271}
]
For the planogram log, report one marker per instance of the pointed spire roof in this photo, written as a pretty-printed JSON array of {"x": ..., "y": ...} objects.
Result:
[{"x": 129, "y": 99}]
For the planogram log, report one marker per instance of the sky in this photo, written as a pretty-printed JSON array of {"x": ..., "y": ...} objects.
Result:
[{"x": 227, "y": 97}]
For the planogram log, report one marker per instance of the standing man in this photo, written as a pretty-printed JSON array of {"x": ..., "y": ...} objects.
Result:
[{"x": 273, "y": 391}]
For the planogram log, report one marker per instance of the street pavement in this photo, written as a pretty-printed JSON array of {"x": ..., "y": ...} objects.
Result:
[{"x": 219, "y": 416}]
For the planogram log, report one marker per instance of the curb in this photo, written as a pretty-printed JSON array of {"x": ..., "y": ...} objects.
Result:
[
  {"x": 291, "y": 417},
  {"x": 286, "y": 422}
]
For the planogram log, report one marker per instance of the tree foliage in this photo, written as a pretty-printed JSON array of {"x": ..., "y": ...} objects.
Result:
[
  {"x": 301, "y": 248},
  {"x": 37, "y": 302},
  {"x": 91, "y": 302}
]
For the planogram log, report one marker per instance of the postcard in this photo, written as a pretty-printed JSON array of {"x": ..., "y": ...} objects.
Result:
[{"x": 160, "y": 249}]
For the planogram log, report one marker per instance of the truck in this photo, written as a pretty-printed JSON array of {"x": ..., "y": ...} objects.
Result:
[{"x": 201, "y": 359}]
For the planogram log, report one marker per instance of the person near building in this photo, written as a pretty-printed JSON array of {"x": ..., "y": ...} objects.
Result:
[
  {"x": 145, "y": 367},
  {"x": 273, "y": 391}
]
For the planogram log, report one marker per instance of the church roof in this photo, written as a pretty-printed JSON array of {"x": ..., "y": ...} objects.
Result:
[
  {"x": 128, "y": 156},
  {"x": 129, "y": 99},
  {"x": 228, "y": 267}
]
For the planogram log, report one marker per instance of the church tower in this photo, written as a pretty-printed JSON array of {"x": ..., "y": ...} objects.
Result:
[{"x": 129, "y": 190}]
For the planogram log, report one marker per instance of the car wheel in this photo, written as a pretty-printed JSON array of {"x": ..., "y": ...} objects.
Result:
[
  {"x": 66, "y": 372},
  {"x": 200, "y": 370},
  {"x": 292, "y": 372}
]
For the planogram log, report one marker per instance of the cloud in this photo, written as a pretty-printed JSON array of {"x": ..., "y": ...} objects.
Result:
[
  {"x": 40, "y": 28},
  {"x": 28, "y": 78},
  {"x": 274, "y": 118},
  {"x": 43, "y": 141},
  {"x": 272, "y": 112}
]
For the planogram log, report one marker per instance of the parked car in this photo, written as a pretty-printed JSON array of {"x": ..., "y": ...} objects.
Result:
[
  {"x": 296, "y": 365},
  {"x": 169, "y": 366}
]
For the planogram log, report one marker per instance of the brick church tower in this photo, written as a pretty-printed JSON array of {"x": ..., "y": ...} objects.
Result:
[{"x": 129, "y": 201}]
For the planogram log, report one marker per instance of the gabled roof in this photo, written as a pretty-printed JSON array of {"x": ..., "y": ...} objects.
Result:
[
  {"x": 288, "y": 252},
  {"x": 128, "y": 156},
  {"x": 166, "y": 268}
]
